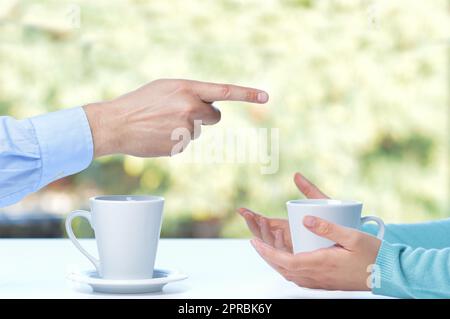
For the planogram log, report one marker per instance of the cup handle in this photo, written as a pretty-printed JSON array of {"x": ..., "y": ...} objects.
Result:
[
  {"x": 378, "y": 221},
  {"x": 73, "y": 238}
]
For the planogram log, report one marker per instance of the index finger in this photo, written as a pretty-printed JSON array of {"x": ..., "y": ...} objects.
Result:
[
  {"x": 283, "y": 258},
  {"x": 210, "y": 92},
  {"x": 251, "y": 222}
]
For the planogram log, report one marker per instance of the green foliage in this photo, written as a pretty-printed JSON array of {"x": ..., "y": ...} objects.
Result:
[
  {"x": 358, "y": 91},
  {"x": 415, "y": 147}
]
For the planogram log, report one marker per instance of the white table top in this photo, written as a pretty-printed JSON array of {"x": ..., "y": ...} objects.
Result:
[{"x": 217, "y": 268}]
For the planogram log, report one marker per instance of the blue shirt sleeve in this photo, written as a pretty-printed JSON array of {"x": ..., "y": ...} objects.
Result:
[{"x": 41, "y": 149}]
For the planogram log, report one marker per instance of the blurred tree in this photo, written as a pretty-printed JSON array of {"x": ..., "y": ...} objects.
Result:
[{"x": 359, "y": 91}]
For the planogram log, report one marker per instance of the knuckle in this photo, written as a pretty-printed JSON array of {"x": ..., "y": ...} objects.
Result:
[
  {"x": 324, "y": 228},
  {"x": 189, "y": 109},
  {"x": 355, "y": 238},
  {"x": 322, "y": 257},
  {"x": 226, "y": 90},
  {"x": 184, "y": 89},
  {"x": 251, "y": 95},
  {"x": 308, "y": 191},
  {"x": 186, "y": 115},
  {"x": 182, "y": 85}
]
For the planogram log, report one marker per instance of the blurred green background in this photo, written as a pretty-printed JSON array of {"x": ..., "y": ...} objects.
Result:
[{"x": 359, "y": 91}]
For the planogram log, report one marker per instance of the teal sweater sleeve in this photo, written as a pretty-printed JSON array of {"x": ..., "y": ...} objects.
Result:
[
  {"x": 434, "y": 234},
  {"x": 413, "y": 260}
]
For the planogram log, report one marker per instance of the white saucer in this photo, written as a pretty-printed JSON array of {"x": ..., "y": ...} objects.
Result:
[{"x": 160, "y": 278}]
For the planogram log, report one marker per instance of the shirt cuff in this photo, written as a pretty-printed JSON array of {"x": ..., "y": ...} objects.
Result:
[
  {"x": 382, "y": 273},
  {"x": 65, "y": 142}
]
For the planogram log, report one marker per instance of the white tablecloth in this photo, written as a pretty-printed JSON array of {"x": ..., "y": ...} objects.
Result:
[{"x": 217, "y": 268}]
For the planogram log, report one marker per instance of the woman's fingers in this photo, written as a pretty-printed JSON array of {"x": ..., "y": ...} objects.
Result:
[
  {"x": 253, "y": 225},
  {"x": 275, "y": 266},
  {"x": 307, "y": 188},
  {"x": 248, "y": 211},
  {"x": 267, "y": 229},
  {"x": 279, "y": 242},
  {"x": 251, "y": 220},
  {"x": 266, "y": 233}
]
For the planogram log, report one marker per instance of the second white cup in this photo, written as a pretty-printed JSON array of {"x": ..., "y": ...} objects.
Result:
[{"x": 127, "y": 230}]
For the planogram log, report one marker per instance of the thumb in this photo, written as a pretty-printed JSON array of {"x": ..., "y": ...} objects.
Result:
[
  {"x": 307, "y": 188},
  {"x": 343, "y": 236}
]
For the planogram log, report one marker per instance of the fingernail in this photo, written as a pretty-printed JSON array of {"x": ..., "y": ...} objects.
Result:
[
  {"x": 263, "y": 97},
  {"x": 309, "y": 221}
]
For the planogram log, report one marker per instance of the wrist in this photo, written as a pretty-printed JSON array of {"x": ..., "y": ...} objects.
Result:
[{"x": 105, "y": 127}]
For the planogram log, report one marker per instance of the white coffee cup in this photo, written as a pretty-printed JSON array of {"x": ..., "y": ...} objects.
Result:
[
  {"x": 127, "y": 230},
  {"x": 344, "y": 213}
]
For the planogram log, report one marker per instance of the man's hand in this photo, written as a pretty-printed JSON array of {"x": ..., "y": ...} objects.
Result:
[
  {"x": 141, "y": 122},
  {"x": 341, "y": 267},
  {"x": 275, "y": 231}
]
